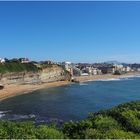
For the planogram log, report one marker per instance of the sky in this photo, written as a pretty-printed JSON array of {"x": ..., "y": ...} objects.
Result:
[{"x": 71, "y": 31}]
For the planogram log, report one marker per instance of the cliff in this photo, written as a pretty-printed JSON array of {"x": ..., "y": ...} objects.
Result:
[{"x": 48, "y": 74}]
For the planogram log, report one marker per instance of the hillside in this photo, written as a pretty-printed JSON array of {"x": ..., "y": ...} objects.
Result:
[
  {"x": 121, "y": 122},
  {"x": 17, "y": 67}
]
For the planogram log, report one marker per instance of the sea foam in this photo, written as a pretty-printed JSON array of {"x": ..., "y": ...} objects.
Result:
[
  {"x": 114, "y": 79},
  {"x": 2, "y": 114},
  {"x": 82, "y": 84},
  {"x": 110, "y": 79}
]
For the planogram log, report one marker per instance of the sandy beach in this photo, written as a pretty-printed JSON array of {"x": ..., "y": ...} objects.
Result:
[
  {"x": 105, "y": 76},
  {"x": 15, "y": 89}
]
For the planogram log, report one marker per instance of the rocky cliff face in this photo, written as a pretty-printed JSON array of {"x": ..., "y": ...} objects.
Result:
[{"x": 54, "y": 73}]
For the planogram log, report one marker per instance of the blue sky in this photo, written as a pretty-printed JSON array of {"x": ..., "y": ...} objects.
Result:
[{"x": 71, "y": 31}]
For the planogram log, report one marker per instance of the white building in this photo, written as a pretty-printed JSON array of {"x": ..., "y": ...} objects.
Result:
[
  {"x": 84, "y": 74},
  {"x": 118, "y": 67},
  {"x": 128, "y": 69},
  {"x": 95, "y": 71},
  {"x": 89, "y": 70},
  {"x": 2, "y": 60}
]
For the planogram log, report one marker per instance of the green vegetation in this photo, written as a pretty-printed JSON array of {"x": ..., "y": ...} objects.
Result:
[
  {"x": 17, "y": 67},
  {"x": 121, "y": 122},
  {"x": 43, "y": 66},
  {"x": 27, "y": 130}
]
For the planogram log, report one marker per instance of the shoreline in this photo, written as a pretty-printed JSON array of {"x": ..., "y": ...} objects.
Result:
[
  {"x": 105, "y": 76},
  {"x": 16, "y": 89}
]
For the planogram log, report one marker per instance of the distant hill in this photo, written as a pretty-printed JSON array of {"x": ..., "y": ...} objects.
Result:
[{"x": 112, "y": 62}]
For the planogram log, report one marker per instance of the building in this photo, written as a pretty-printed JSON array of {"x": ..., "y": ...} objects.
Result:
[
  {"x": 2, "y": 60},
  {"x": 76, "y": 71},
  {"x": 118, "y": 69},
  {"x": 84, "y": 74},
  {"x": 24, "y": 60},
  {"x": 48, "y": 62},
  {"x": 106, "y": 69},
  {"x": 128, "y": 69},
  {"x": 96, "y": 71},
  {"x": 89, "y": 70}
]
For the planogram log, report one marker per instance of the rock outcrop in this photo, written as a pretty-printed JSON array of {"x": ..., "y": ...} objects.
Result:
[{"x": 50, "y": 74}]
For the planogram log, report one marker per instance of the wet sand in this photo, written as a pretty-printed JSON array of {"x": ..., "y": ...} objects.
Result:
[{"x": 15, "y": 89}]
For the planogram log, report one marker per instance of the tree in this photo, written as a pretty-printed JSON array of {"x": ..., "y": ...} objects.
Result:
[{"x": 44, "y": 132}]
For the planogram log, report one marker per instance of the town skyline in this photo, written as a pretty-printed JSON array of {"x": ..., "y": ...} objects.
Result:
[
  {"x": 4, "y": 59},
  {"x": 71, "y": 31}
]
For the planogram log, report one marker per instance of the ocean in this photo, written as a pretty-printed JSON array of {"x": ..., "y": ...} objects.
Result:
[{"x": 70, "y": 102}]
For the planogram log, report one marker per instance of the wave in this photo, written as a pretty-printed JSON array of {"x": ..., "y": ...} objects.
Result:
[
  {"x": 15, "y": 116},
  {"x": 114, "y": 79},
  {"x": 136, "y": 76},
  {"x": 3, "y": 113},
  {"x": 124, "y": 77},
  {"x": 110, "y": 79},
  {"x": 118, "y": 79},
  {"x": 35, "y": 118},
  {"x": 82, "y": 84},
  {"x": 131, "y": 76}
]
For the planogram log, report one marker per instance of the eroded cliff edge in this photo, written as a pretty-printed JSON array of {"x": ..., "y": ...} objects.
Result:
[{"x": 44, "y": 75}]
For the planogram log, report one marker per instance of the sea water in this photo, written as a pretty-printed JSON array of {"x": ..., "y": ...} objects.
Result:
[{"x": 70, "y": 102}]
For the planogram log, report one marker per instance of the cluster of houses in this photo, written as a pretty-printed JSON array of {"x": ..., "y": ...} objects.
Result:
[
  {"x": 97, "y": 69},
  {"x": 47, "y": 62},
  {"x": 26, "y": 60},
  {"x": 22, "y": 60},
  {"x": 84, "y": 69}
]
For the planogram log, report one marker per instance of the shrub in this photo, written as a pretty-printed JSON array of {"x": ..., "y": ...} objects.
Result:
[
  {"x": 93, "y": 134},
  {"x": 120, "y": 134},
  {"x": 44, "y": 132},
  {"x": 110, "y": 134},
  {"x": 3, "y": 133},
  {"x": 17, "y": 130},
  {"x": 132, "y": 120},
  {"x": 76, "y": 129},
  {"x": 105, "y": 123}
]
